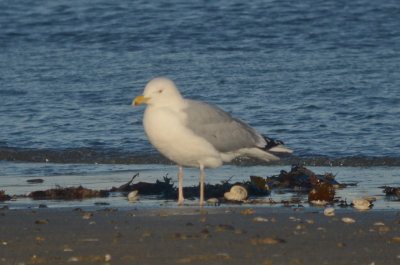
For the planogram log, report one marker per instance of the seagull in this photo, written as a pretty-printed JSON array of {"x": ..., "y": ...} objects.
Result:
[{"x": 197, "y": 134}]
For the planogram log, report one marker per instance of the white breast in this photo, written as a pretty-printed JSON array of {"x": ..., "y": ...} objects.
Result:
[{"x": 166, "y": 131}]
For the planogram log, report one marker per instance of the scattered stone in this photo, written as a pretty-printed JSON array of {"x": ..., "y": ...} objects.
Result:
[
  {"x": 383, "y": 229},
  {"x": 348, "y": 220},
  {"x": 224, "y": 228},
  {"x": 260, "y": 219},
  {"x": 87, "y": 215},
  {"x": 267, "y": 241},
  {"x": 248, "y": 211},
  {"x": 214, "y": 201}
]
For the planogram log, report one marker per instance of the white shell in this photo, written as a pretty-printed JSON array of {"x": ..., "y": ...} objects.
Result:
[
  {"x": 330, "y": 211},
  {"x": 237, "y": 193},
  {"x": 132, "y": 196},
  {"x": 361, "y": 204}
]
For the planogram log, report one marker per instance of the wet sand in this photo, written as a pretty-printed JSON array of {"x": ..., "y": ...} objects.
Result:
[{"x": 192, "y": 235}]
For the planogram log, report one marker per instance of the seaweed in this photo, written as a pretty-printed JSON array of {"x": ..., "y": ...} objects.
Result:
[
  {"x": 4, "y": 196},
  {"x": 391, "y": 191},
  {"x": 300, "y": 178},
  {"x": 319, "y": 187},
  {"x": 69, "y": 193}
]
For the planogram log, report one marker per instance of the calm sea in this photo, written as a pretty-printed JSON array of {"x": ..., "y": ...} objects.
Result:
[{"x": 323, "y": 76}]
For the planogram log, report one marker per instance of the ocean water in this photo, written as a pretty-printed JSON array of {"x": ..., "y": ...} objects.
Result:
[{"x": 322, "y": 76}]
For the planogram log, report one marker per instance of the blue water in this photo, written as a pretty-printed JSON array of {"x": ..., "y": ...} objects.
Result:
[{"x": 322, "y": 76}]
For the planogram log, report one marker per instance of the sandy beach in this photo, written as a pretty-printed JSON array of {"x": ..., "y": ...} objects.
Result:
[{"x": 192, "y": 235}]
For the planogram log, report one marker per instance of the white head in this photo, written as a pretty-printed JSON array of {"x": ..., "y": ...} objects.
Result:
[{"x": 160, "y": 91}]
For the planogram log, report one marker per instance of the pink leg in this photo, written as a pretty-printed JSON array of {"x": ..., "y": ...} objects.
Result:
[
  {"x": 180, "y": 187},
  {"x": 201, "y": 185}
]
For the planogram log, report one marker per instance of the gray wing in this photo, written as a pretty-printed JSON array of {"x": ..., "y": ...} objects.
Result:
[{"x": 219, "y": 128}]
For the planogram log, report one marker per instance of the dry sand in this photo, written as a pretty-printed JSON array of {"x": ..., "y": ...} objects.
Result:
[{"x": 192, "y": 235}]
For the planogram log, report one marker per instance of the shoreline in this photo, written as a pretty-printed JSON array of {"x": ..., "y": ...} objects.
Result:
[{"x": 194, "y": 235}]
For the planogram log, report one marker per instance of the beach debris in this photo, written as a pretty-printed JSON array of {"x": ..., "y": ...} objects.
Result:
[
  {"x": 4, "y": 196},
  {"x": 330, "y": 211},
  {"x": 69, "y": 193},
  {"x": 348, "y": 220},
  {"x": 259, "y": 183},
  {"x": 361, "y": 204},
  {"x": 236, "y": 193},
  {"x": 322, "y": 191},
  {"x": 391, "y": 191},
  {"x": 300, "y": 177},
  {"x": 164, "y": 188},
  {"x": 132, "y": 196}
]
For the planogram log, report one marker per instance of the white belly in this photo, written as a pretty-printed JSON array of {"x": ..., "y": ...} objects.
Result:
[{"x": 167, "y": 133}]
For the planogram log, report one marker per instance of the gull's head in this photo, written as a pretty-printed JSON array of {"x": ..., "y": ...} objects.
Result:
[{"x": 160, "y": 90}]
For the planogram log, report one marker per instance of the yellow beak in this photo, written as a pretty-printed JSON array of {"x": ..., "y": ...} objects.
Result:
[{"x": 139, "y": 100}]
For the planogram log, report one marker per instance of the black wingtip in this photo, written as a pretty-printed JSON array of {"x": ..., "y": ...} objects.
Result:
[{"x": 271, "y": 142}]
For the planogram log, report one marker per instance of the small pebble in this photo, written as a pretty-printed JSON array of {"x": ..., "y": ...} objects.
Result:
[
  {"x": 247, "y": 211},
  {"x": 260, "y": 219},
  {"x": 42, "y": 221},
  {"x": 213, "y": 201},
  {"x": 348, "y": 220},
  {"x": 87, "y": 215}
]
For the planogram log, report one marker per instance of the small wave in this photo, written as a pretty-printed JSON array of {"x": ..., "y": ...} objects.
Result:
[{"x": 90, "y": 156}]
